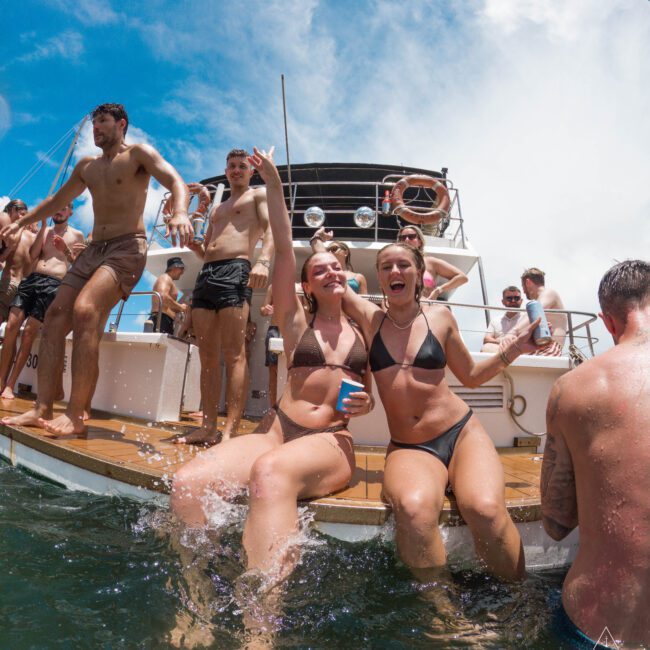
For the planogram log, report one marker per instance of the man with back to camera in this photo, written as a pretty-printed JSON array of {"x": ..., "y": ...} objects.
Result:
[
  {"x": 165, "y": 286},
  {"x": 107, "y": 269},
  {"x": 52, "y": 253},
  {"x": 221, "y": 297},
  {"x": 505, "y": 322},
  {"x": 533, "y": 284},
  {"x": 595, "y": 469}
]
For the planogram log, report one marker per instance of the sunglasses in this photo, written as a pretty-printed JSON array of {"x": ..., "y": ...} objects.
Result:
[
  {"x": 512, "y": 298},
  {"x": 405, "y": 237},
  {"x": 334, "y": 249}
]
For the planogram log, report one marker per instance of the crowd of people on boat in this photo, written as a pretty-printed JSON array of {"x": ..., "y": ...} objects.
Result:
[{"x": 332, "y": 335}]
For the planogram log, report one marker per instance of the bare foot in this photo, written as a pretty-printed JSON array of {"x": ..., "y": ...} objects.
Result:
[
  {"x": 201, "y": 437},
  {"x": 7, "y": 393},
  {"x": 31, "y": 418},
  {"x": 63, "y": 425},
  {"x": 86, "y": 415}
]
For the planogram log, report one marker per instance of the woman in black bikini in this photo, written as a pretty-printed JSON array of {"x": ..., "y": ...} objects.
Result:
[
  {"x": 303, "y": 448},
  {"x": 436, "y": 441}
]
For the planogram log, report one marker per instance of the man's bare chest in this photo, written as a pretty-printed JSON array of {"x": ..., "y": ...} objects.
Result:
[{"x": 114, "y": 175}]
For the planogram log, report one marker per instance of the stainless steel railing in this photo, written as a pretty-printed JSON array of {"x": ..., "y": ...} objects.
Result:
[{"x": 118, "y": 318}]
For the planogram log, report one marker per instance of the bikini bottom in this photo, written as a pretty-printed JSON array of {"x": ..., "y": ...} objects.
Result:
[
  {"x": 442, "y": 446},
  {"x": 292, "y": 430}
]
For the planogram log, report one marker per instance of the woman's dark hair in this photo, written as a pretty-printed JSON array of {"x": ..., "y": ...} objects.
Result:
[{"x": 418, "y": 259}]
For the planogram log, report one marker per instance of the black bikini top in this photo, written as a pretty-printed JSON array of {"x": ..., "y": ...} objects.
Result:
[
  {"x": 309, "y": 354},
  {"x": 430, "y": 355}
]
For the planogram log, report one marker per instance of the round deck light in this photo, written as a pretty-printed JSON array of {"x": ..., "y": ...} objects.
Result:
[
  {"x": 314, "y": 217},
  {"x": 365, "y": 217}
]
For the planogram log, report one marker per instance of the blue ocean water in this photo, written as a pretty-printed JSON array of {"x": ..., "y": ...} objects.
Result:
[{"x": 82, "y": 571}]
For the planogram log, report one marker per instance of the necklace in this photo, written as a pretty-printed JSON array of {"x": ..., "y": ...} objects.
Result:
[{"x": 403, "y": 327}]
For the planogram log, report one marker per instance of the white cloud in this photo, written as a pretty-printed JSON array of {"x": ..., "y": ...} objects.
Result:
[
  {"x": 5, "y": 116},
  {"x": 68, "y": 45},
  {"x": 88, "y": 12},
  {"x": 3, "y": 201}
]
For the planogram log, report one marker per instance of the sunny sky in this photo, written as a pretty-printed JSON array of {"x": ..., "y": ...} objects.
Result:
[{"x": 539, "y": 108}]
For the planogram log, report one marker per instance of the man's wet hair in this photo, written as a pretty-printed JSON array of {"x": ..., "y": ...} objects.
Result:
[
  {"x": 535, "y": 275},
  {"x": 116, "y": 110},
  {"x": 511, "y": 288},
  {"x": 626, "y": 286},
  {"x": 237, "y": 153},
  {"x": 15, "y": 204}
]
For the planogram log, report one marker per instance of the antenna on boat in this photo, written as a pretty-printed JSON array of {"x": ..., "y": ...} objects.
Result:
[
  {"x": 68, "y": 154},
  {"x": 286, "y": 144}
]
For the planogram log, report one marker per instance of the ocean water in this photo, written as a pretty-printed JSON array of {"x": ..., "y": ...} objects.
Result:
[{"x": 82, "y": 571}]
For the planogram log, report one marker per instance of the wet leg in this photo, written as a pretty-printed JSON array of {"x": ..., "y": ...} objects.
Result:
[
  {"x": 90, "y": 313},
  {"x": 26, "y": 341},
  {"x": 208, "y": 338},
  {"x": 476, "y": 476},
  {"x": 57, "y": 324},
  {"x": 311, "y": 466},
  {"x": 414, "y": 485}
]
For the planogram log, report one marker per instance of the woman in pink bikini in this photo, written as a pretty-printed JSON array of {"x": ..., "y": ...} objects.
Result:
[
  {"x": 454, "y": 277},
  {"x": 303, "y": 448}
]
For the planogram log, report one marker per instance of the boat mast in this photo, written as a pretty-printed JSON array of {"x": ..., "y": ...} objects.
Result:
[
  {"x": 68, "y": 153},
  {"x": 286, "y": 143}
]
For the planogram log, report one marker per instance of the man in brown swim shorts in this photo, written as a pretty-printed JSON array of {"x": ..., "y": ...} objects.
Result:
[{"x": 107, "y": 269}]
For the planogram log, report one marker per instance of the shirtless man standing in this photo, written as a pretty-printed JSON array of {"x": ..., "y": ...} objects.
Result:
[
  {"x": 9, "y": 280},
  {"x": 37, "y": 291},
  {"x": 595, "y": 469},
  {"x": 165, "y": 286},
  {"x": 107, "y": 269},
  {"x": 221, "y": 298},
  {"x": 532, "y": 282}
]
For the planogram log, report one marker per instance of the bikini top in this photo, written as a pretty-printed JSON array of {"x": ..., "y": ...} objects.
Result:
[
  {"x": 309, "y": 354},
  {"x": 430, "y": 355},
  {"x": 428, "y": 280},
  {"x": 353, "y": 283}
]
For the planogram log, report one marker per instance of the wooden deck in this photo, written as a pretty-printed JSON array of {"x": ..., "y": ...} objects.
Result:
[{"x": 135, "y": 453}]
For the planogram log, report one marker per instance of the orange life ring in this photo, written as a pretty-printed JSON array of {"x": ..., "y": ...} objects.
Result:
[
  {"x": 194, "y": 189},
  {"x": 435, "y": 213}
]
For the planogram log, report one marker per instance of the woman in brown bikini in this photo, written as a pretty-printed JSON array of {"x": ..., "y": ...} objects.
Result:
[{"x": 303, "y": 448}]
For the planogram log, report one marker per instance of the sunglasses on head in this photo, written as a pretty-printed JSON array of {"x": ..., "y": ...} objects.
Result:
[
  {"x": 408, "y": 236},
  {"x": 334, "y": 249}
]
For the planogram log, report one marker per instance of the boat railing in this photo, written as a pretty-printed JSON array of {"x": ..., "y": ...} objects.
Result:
[
  {"x": 340, "y": 207},
  {"x": 576, "y": 320},
  {"x": 115, "y": 324}
]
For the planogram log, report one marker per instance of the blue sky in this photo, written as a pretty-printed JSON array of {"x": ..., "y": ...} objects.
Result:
[{"x": 538, "y": 107}]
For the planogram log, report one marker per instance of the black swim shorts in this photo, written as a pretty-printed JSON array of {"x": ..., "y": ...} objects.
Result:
[
  {"x": 271, "y": 357},
  {"x": 35, "y": 294},
  {"x": 222, "y": 284},
  {"x": 166, "y": 323}
]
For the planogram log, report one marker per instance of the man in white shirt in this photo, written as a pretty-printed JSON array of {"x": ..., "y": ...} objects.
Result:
[{"x": 505, "y": 322}]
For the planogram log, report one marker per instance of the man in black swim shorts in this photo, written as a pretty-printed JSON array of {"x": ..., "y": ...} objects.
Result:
[
  {"x": 222, "y": 295},
  {"x": 166, "y": 287},
  {"x": 53, "y": 250}
]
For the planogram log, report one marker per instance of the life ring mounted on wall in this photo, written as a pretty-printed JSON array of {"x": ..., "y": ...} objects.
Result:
[
  {"x": 195, "y": 189},
  {"x": 415, "y": 214}
]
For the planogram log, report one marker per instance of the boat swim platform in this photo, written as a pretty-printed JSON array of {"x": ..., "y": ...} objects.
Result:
[{"x": 136, "y": 455}]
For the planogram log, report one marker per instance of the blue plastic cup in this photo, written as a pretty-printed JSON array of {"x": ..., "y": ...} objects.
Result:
[{"x": 347, "y": 386}]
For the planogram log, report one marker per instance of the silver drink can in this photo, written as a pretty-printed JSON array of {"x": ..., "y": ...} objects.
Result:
[
  {"x": 197, "y": 224},
  {"x": 542, "y": 333}
]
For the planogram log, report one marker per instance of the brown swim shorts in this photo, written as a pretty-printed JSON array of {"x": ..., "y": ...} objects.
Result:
[
  {"x": 123, "y": 257},
  {"x": 8, "y": 290}
]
